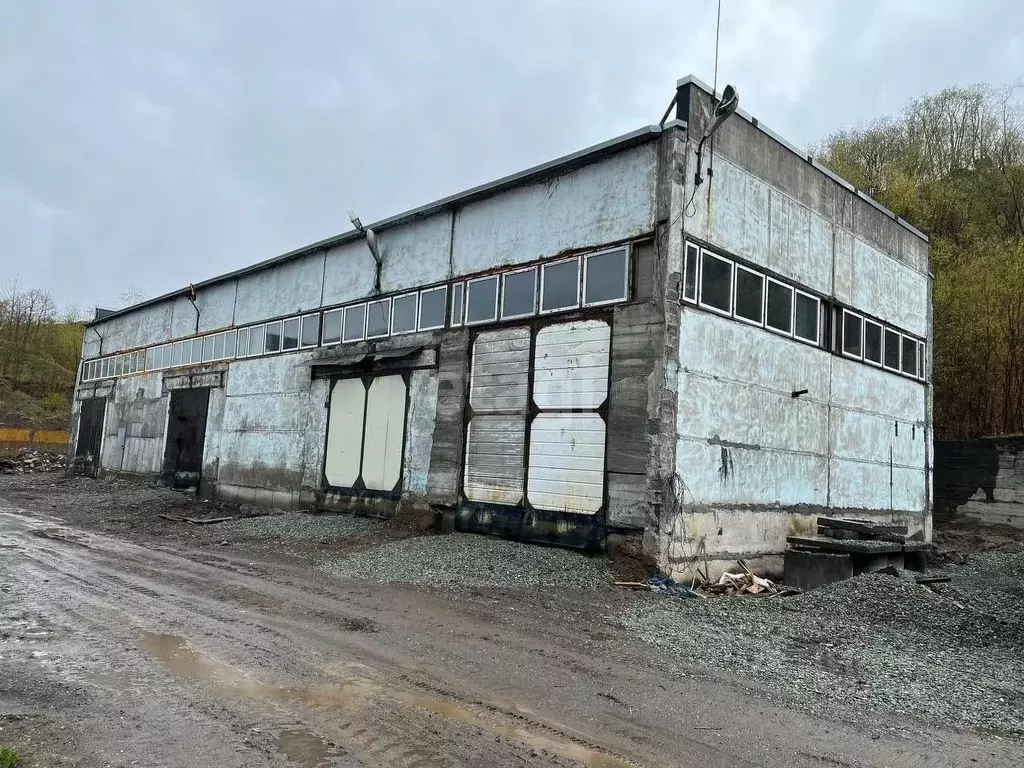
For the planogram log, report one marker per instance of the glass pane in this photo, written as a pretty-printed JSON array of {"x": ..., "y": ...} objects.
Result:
[
  {"x": 310, "y": 336},
  {"x": 807, "y": 317},
  {"x": 355, "y": 322},
  {"x": 690, "y": 273},
  {"x": 150, "y": 358},
  {"x": 780, "y": 307},
  {"x": 519, "y": 293},
  {"x": 749, "y": 295},
  {"x": 606, "y": 277},
  {"x": 290, "y": 333},
  {"x": 378, "y": 318},
  {"x": 257, "y": 337},
  {"x": 716, "y": 283},
  {"x": 481, "y": 301},
  {"x": 273, "y": 340},
  {"x": 118, "y": 362},
  {"x": 457, "y": 292},
  {"x": 229, "y": 343},
  {"x": 332, "y": 326},
  {"x": 242, "y": 346},
  {"x": 403, "y": 316},
  {"x": 910, "y": 356},
  {"x": 432, "y": 307},
  {"x": 197, "y": 350},
  {"x": 207, "y": 349},
  {"x": 218, "y": 346},
  {"x": 872, "y": 342},
  {"x": 851, "y": 334},
  {"x": 920, "y": 360},
  {"x": 176, "y": 353},
  {"x": 561, "y": 286},
  {"x": 892, "y": 350}
]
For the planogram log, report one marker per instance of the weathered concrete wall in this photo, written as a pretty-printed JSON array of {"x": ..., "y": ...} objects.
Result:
[
  {"x": 134, "y": 425},
  {"x": 753, "y": 463},
  {"x": 982, "y": 480}
]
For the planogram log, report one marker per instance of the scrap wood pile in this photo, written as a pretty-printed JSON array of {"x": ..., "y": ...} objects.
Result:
[
  {"x": 743, "y": 582},
  {"x": 32, "y": 461}
]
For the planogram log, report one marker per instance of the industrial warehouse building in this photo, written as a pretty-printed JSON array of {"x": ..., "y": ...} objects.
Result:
[{"x": 594, "y": 345}]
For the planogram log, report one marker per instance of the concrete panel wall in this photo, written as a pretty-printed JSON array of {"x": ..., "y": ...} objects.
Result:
[
  {"x": 599, "y": 203},
  {"x": 417, "y": 253},
  {"x": 981, "y": 480},
  {"x": 291, "y": 287}
]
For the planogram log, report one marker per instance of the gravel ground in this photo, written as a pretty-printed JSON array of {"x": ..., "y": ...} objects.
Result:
[
  {"x": 299, "y": 526},
  {"x": 470, "y": 560},
  {"x": 873, "y": 643}
]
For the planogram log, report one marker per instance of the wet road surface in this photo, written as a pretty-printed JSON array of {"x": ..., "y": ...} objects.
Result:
[{"x": 162, "y": 655}]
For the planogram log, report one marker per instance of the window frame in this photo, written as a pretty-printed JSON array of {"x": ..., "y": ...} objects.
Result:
[
  {"x": 579, "y": 289},
  {"x": 842, "y": 335},
  {"x": 266, "y": 335},
  {"x": 625, "y": 277},
  {"x": 899, "y": 348},
  {"x": 764, "y": 295},
  {"x": 303, "y": 319},
  {"x": 497, "y": 296},
  {"x": 238, "y": 342},
  {"x": 922, "y": 373},
  {"x": 696, "y": 275},
  {"x": 298, "y": 332},
  {"x": 732, "y": 281},
  {"x": 263, "y": 340},
  {"x": 453, "y": 322},
  {"x": 419, "y": 309},
  {"x": 792, "y": 308},
  {"x": 344, "y": 324},
  {"x": 415, "y": 296},
  {"x": 904, "y": 338},
  {"x": 816, "y": 341},
  {"x": 501, "y": 299},
  {"x": 881, "y": 342},
  {"x": 340, "y": 311},
  {"x": 387, "y": 319}
]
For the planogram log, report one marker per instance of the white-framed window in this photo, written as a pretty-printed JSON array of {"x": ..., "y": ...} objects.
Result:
[
  {"x": 892, "y": 350},
  {"x": 519, "y": 293},
  {"x": 748, "y": 301},
  {"x": 272, "y": 342},
  {"x": 715, "y": 291},
  {"x": 458, "y": 309},
  {"x": 872, "y": 342},
  {"x": 290, "y": 334},
  {"x": 257, "y": 340},
  {"x": 242, "y": 343},
  {"x": 921, "y": 372},
  {"x": 229, "y": 343},
  {"x": 908, "y": 358},
  {"x": 309, "y": 335},
  {"x": 482, "y": 300},
  {"x": 853, "y": 334},
  {"x": 355, "y": 323},
  {"x": 207, "y": 349},
  {"x": 779, "y": 307},
  {"x": 691, "y": 268},
  {"x": 560, "y": 285},
  {"x": 807, "y": 317},
  {"x": 433, "y": 308},
  {"x": 197, "y": 351},
  {"x": 605, "y": 277},
  {"x": 378, "y": 319},
  {"x": 333, "y": 320},
  {"x": 176, "y": 350},
  {"x": 218, "y": 346},
  {"x": 403, "y": 313}
]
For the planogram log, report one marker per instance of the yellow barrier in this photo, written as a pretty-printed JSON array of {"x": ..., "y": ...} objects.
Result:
[{"x": 14, "y": 439}]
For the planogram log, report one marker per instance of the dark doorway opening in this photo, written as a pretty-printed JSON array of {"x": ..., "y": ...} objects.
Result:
[
  {"x": 90, "y": 435},
  {"x": 186, "y": 434}
]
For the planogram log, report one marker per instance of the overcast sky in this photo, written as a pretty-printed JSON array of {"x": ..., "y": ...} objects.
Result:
[{"x": 157, "y": 143}]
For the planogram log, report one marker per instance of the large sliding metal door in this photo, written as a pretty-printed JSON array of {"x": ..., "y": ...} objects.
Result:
[{"x": 536, "y": 431}]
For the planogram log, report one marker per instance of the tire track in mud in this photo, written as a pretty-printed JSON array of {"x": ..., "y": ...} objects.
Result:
[{"x": 403, "y": 721}]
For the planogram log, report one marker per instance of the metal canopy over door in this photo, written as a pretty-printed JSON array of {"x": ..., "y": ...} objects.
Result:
[
  {"x": 186, "y": 437},
  {"x": 366, "y": 436},
  {"x": 535, "y": 433},
  {"x": 90, "y": 433}
]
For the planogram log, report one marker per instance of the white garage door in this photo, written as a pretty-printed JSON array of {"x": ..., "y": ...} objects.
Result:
[{"x": 344, "y": 433}]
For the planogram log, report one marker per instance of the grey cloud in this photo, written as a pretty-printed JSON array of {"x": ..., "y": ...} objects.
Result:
[{"x": 161, "y": 143}]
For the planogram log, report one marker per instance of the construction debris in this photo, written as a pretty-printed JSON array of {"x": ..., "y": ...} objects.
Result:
[
  {"x": 195, "y": 520},
  {"x": 745, "y": 582},
  {"x": 33, "y": 461}
]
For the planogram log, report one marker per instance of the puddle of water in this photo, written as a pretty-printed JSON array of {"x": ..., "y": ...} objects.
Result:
[
  {"x": 584, "y": 755},
  {"x": 307, "y": 750},
  {"x": 179, "y": 657}
]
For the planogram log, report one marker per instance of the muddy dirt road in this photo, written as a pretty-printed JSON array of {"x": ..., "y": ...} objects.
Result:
[{"x": 139, "y": 653}]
